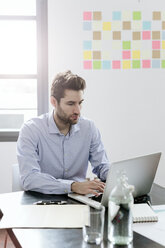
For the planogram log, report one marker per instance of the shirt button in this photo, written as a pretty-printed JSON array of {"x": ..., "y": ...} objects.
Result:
[{"x": 65, "y": 191}]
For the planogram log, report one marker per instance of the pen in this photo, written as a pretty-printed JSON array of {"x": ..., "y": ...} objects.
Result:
[
  {"x": 46, "y": 202},
  {"x": 148, "y": 202}
]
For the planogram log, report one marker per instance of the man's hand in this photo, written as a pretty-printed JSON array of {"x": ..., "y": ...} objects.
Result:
[{"x": 88, "y": 187}]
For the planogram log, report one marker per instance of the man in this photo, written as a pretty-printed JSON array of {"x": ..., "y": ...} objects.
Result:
[{"x": 53, "y": 149}]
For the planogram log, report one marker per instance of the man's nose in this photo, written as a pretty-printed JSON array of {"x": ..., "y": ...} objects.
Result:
[{"x": 77, "y": 109}]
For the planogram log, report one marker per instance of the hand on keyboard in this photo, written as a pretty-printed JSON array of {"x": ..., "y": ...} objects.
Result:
[{"x": 88, "y": 187}]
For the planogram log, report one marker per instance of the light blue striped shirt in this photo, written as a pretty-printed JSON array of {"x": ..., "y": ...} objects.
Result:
[{"x": 50, "y": 162}]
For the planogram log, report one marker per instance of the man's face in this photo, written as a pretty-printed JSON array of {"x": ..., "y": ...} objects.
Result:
[{"x": 69, "y": 107}]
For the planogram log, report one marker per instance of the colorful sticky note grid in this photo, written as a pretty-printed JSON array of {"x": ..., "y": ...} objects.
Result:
[
  {"x": 136, "y": 15},
  {"x": 146, "y": 63},
  {"x": 96, "y": 64},
  {"x": 88, "y": 65},
  {"x": 87, "y": 16},
  {"x": 116, "y": 64},
  {"x": 156, "y": 44}
]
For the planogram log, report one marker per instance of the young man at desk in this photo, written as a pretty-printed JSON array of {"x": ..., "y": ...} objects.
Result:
[{"x": 53, "y": 149}]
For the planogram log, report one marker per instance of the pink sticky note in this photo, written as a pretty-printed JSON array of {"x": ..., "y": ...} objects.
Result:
[
  {"x": 87, "y": 16},
  {"x": 87, "y": 64},
  {"x": 126, "y": 54},
  {"x": 116, "y": 64},
  {"x": 146, "y": 35},
  {"x": 146, "y": 63},
  {"x": 156, "y": 44}
]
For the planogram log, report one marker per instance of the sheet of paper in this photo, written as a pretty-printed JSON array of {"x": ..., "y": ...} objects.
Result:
[
  {"x": 45, "y": 216},
  {"x": 153, "y": 230}
]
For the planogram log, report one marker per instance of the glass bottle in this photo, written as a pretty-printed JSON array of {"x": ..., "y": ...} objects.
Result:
[{"x": 120, "y": 213}]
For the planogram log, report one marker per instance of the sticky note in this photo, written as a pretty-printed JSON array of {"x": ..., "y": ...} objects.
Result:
[
  {"x": 155, "y": 63},
  {"x": 96, "y": 35},
  {"x": 163, "y": 54},
  {"x": 126, "y": 45},
  {"x": 97, "y": 26},
  {"x": 136, "y": 45},
  {"x": 106, "y": 55},
  {"x": 156, "y": 44},
  {"x": 96, "y": 44},
  {"x": 163, "y": 44},
  {"x": 87, "y": 16},
  {"x": 116, "y": 35},
  {"x": 106, "y": 26},
  {"x": 97, "y": 15},
  {"x": 87, "y": 26},
  {"x": 126, "y": 15},
  {"x": 116, "y": 25},
  {"x": 136, "y": 35},
  {"x": 126, "y": 25},
  {"x": 87, "y": 55},
  {"x": 87, "y": 65},
  {"x": 116, "y": 45},
  {"x": 126, "y": 54},
  {"x": 106, "y": 64},
  {"x": 146, "y": 35},
  {"x": 116, "y": 15},
  {"x": 126, "y": 64},
  {"x": 136, "y": 15},
  {"x": 136, "y": 26},
  {"x": 96, "y": 54},
  {"x": 156, "y": 35},
  {"x": 163, "y": 63},
  {"x": 136, "y": 54},
  {"x": 96, "y": 64},
  {"x": 163, "y": 35},
  {"x": 135, "y": 64},
  {"x": 116, "y": 64},
  {"x": 106, "y": 35},
  {"x": 156, "y": 15},
  {"x": 146, "y": 63},
  {"x": 146, "y": 25},
  {"x": 87, "y": 45},
  {"x": 155, "y": 54}
]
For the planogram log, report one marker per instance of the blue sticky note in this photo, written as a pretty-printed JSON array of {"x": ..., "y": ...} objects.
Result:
[
  {"x": 87, "y": 45},
  {"x": 87, "y": 25},
  {"x": 106, "y": 64},
  {"x": 163, "y": 35},
  {"x": 116, "y": 15},
  {"x": 146, "y": 25},
  {"x": 156, "y": 63}
]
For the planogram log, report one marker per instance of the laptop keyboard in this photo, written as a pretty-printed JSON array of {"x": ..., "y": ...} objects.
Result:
[{"x": 96, "y": 198}]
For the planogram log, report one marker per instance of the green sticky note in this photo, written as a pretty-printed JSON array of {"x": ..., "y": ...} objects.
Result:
[
  {"x": 136, "y": 64},
  {"x": 96, "y": 64},
  {"x": 136, "y": 15},
  {"x": 126, "y": 45},
  {"x": 163, "y": 63}
]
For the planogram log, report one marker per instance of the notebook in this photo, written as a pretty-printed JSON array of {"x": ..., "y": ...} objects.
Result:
[
  {"x": 143, "y": 213},
  {"x": 140, "y": 172}
]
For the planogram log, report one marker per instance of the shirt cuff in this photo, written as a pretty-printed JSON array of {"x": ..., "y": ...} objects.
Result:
[{"x": 67, "y": 186}]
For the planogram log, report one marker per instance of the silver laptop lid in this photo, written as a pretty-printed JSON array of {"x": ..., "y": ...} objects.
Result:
[{"x": 140, "y": 172}]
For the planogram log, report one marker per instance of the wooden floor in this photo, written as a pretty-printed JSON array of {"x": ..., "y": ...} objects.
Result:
[{"x": 5, "y": 241}]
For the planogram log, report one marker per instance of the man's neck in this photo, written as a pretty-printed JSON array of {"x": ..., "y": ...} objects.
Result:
[{"x": 63, "y": 128}]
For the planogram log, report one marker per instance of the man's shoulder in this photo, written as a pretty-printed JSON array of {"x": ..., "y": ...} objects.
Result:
[
  {"x": 86, "y": 122},
  {"x": 37, "y": 122}
]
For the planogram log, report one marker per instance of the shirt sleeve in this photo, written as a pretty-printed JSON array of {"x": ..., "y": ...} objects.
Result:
[
  {"x": 30, "y": 172},
  {"x": 97, "y": 156}
]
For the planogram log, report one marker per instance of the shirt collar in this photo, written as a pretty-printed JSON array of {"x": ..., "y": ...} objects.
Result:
[{"x": 54, "y": 129}]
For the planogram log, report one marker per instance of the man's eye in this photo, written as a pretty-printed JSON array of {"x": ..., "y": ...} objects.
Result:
[{"x": 70, "y": 104}]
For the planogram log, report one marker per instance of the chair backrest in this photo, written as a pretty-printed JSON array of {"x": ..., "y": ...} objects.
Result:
[{"x": 16, "y": 182}]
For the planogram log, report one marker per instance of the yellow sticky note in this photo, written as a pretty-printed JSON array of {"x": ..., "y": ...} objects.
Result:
[
  {"x": 87, "y": 55},
  {"x": 106, "y": 26},
  {"x": 163, "y": 44},
  {"x": 126, "y": 64},
  {"x": 136, "y": 54}
]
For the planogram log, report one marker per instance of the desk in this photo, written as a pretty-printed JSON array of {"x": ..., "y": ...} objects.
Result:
[{"x": 66, "y": 238}]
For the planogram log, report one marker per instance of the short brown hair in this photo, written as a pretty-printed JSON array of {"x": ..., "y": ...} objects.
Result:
[{"x": 66, "y": 80}]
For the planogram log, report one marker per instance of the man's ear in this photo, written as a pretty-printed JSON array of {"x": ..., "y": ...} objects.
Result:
[{"x": 53, "y": 101}]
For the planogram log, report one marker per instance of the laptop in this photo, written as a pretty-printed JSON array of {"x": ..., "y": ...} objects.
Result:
[{"x": 140, "y": 172}]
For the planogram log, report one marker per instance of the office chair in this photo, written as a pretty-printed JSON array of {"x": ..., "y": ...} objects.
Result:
[{"x": 16, "y": 183}]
